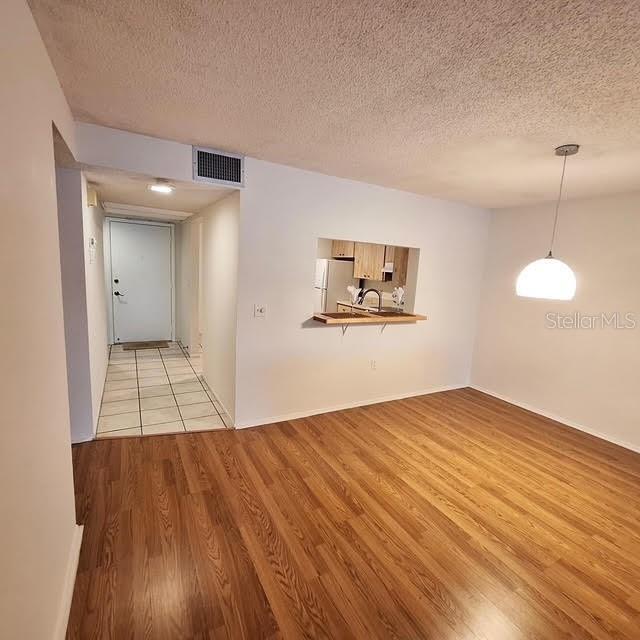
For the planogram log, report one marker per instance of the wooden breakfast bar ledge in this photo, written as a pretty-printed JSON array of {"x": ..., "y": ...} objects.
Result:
[{"x": 367, "y": 317}]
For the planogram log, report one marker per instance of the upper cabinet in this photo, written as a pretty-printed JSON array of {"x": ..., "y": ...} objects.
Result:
[
  {"x": 398, "y": 259},
  {"x": 368, "y": 261},
  {"x": 378, "y": 262},
  {"x": 342, "y": 248}
]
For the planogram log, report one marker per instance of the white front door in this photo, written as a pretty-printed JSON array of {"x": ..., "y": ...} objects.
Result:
[{"x": 141, "y": 281}]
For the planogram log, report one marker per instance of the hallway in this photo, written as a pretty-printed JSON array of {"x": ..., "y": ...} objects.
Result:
[{"x": 156, "y": 391}]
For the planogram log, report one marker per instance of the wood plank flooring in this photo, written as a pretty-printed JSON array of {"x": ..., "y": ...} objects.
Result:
[{"x": 448, "y": 516}]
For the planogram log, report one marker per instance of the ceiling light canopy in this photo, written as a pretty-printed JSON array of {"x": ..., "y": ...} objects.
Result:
[
  {"x": 550, "y": 278},
  {"x": 161, "y": 186}
]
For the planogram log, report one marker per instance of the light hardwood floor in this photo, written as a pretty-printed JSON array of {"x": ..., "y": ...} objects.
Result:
[{"x": 448, "y": 516}]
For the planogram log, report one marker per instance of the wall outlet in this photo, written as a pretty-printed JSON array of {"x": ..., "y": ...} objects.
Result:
[
  {"x": 259, "y": 311},
  {"x": 373, "y": 364}
]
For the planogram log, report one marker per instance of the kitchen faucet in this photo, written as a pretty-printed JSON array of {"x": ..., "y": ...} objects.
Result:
[{"x": 364, "y": 293}]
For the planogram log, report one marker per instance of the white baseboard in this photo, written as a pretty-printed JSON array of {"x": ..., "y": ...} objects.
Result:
[
  {"x": 256, "y": 422},
  {"x": 104, "y": 384},
  {"x": 560, "y": 419},
  {"x": 226, "y": 416},
  {"x": 96, "y": 418},
  {"x": 69, "y": 584}
]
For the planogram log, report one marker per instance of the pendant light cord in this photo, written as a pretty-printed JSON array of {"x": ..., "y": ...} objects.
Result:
[{"x": 555, "y": 222}]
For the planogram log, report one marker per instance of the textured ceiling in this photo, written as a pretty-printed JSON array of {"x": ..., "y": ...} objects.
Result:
[
  {"x": 132, "y": 189},
  {"x": 462, "y": 99}
]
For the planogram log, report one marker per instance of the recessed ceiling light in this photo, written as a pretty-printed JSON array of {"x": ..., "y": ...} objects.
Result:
[{"x": 161, "y": 186}]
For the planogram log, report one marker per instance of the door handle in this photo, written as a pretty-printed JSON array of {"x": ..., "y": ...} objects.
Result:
[{"x": 117, "y": 293}]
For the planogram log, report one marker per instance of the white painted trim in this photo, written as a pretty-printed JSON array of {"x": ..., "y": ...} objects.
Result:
[
  {"x": 104, "y": 384},
  {"x": 135, "y": 211},
  {"x": 350, "y": 405},
  {"x": 560, "y": 419},
  {"x": 174, "y": 310},
  {"x": 106, "y": 251},
  {"x": 109, "y": 277},
  {"x": 95, "y": 426},
  {"x": 155, "y": 223},
  {"x": 69, "y": 584},
  {"x": 226, "y": 418},
  {"x": 226, "y": 411}
]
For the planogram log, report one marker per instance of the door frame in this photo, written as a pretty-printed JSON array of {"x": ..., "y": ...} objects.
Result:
[{"x": 109, "y": 278}]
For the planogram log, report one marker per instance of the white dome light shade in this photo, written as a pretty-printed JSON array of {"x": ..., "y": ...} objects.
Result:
[{"x": 547, "y": 278}]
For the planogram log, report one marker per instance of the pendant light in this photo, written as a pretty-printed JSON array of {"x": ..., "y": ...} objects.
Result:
[{"x": 550, "y": 278}]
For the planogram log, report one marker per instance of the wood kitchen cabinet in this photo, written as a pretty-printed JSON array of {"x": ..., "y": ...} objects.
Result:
[
  {"x": 368, "y": 260},
  {"x": 342, "y": 249},
  {"x": 400, "y": 259}
]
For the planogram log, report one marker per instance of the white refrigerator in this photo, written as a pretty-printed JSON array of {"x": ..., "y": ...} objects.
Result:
[{"x": 332, "y": 279}]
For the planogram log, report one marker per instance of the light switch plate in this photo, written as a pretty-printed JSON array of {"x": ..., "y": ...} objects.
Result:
[
  {"x": 259, "y": 311},
  {"x": 92, "y": 250}
]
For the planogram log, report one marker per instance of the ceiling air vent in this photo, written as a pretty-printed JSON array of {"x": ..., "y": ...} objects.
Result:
[{"x": 217, "y": 167}]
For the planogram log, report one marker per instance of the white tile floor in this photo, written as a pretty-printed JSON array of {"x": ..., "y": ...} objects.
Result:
[{"x": 154, "y": 391}]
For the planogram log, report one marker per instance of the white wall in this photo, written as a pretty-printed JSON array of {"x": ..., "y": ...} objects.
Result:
[
  {"x": 288, "y": 366},
  {"x": 134, "y": 152},
  {"x": 108, "y": 291},
  {"x": 220, "y": 243},
  {"x": 39, "y": 536},
  {"x": 187, "y": 276},
  {"x": 71, "y": 191},
  {"x": 584, "y": 377},
  {"x": 97, "y": 326},
  {"x": 84, "y": 301},
  {"x": 182, "y": 311}
]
